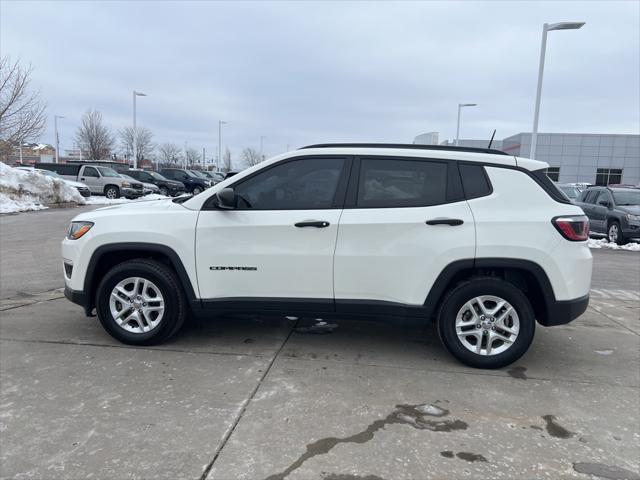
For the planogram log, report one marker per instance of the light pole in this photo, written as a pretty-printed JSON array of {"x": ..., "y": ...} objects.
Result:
[
  {"x": 460, "y": 105},
  {"x": 135, "y": 131},
  {"x": 543, "y": 47},
  {"x": 55, "y": 126},
  {"x": 220, "y": 123},
  {"x": 262, "y": 137}
]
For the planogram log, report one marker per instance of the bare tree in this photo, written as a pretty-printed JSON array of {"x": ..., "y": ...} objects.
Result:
[
  {"x": 22, "y": 112},
  {"x": 226, "y": 160},
  {"x": 251, "y": 156},
  {"x": 192, "y": 156},
  {"x": 144, "y": 141},
  {"x": 169, "y": 153},
  {"x": 96, "y": 136}
]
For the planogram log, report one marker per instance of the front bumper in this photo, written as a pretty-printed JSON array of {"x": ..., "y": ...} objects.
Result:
[
  {"x": 79, "y": 298},
  {"x": 131, "y": 193},
  {"x": 561, "y": 312},
  {"x": 85, "y": 192}
]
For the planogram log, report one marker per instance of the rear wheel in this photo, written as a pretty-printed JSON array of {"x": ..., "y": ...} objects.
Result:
[
  {"x": 140, "y": 302},
  {"x": 486, "y": 323},
  {"x": 614, "y": 233}
]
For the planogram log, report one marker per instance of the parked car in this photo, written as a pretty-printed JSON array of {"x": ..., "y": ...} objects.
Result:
[
  {"x": 569, "y": 190},
  {"x": 147, "y": 188},
  {"x": 613, "y": 211},
  {"x": 192, "y": 183},
  {"x": 101, "y": 180},
  {"x": 81, "y": 187},
  {"x": 165, "y": 186},
  {"x": 429, "y": 232},
  {"x": 215, "y": 177},
  {"x": 230, "y": 174}
]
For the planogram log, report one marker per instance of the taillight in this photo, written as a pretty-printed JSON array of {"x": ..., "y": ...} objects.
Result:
[{"x": 573, "y": 228}]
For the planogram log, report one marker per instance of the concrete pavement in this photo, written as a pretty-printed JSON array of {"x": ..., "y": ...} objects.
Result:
[{"x": 268, "y": 398}]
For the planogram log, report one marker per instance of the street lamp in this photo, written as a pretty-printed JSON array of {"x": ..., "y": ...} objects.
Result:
[
  {"x": 262, "y": 137},
  {"x": 55, "y": 124},
  {"x": 543, "y": 47},
  {"x": 135, "y": 131},
  {"x": 460, "y": 105},
  {"x": 220, "y": 123}
]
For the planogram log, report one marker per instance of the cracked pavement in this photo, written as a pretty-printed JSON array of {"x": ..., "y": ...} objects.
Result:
[{"x": 270, "y": 398}]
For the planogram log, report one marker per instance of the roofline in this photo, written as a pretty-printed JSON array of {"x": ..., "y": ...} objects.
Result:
[{"x": 408, "y": 146}]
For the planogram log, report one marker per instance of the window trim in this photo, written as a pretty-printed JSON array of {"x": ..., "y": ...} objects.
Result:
[{"x": 338, "y": 199}]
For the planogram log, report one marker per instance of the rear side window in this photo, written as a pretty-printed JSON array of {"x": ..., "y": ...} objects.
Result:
[
  {"x": 388, "y": 183},
  {"x": 589, "y": 196},
  {"x": 474, "y": 181}
]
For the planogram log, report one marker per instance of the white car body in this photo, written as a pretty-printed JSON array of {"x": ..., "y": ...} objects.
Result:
[{"x": 384, "y": 258}]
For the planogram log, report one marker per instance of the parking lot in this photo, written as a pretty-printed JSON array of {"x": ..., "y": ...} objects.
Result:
[{"x": 274, "y": 398}]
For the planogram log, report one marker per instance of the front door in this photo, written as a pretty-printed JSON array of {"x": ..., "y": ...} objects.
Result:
[
  {"x": 277, "y": 245},
  {"x": 91, "y": 178}
]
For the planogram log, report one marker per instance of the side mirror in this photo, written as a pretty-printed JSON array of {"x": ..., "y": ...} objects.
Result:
[
  {"x": 226, "y": 199},
  {"x": 604, "y": 203}
]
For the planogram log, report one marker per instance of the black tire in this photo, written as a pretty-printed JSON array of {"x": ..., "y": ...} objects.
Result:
[
  {"x": 196, "y": 190},
  {"x": 165, "y": 279},
  {"x": 463, "y": 293},
  {"x": 164, "y": 191},
  {"x": 111, "y": 191},
  {"x": 614, "y": 233}
]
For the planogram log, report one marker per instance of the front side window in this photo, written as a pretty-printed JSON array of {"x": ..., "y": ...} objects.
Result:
[
  {"x": 90, "y": 172},
  {"x": 388, "y": 183},
  {"x": 603, "y": 198},
  {"x": 305, "y": 184}
]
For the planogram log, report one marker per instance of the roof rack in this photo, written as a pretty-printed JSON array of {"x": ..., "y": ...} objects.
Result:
[{"x": 408, "y": 146}]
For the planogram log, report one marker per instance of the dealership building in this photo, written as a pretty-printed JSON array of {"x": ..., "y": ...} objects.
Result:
[{"x": 599, "y": 159}]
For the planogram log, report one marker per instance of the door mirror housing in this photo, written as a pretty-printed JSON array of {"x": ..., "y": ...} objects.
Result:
[
  {"x": 605, "y": 203},
  {"x": 226, "y": 199}
]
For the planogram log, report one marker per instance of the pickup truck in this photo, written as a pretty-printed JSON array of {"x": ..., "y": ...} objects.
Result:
[{"x": 101, "y": 180}]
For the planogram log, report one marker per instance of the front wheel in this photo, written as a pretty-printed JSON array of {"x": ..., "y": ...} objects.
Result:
[
  {"x": 197, "y": 190},
  {"x": 164, "y": 191},
  {"x": 140, "y": 302},
  {"x": 486, "y": 323},
  {"x": 112, "y": 192},
  {"x": 614, "y": 233}
]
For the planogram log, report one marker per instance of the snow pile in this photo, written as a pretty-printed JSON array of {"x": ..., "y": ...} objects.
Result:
[
  {"x": 603, "y": 243},
  {"x": 21, "y": 191},
  {"x": 94, "y": 200}
]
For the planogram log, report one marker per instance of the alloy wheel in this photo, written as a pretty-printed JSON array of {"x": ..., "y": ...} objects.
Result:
[
  {"x": 487, "y": 325},
  {"x": 137, "y": 305}
]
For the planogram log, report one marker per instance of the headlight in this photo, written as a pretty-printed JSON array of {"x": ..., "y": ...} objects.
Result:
[
  {"x": 125, "y": 184},
  {"x": 78, "y": 229},
  {"x": 633, "y": 218}
]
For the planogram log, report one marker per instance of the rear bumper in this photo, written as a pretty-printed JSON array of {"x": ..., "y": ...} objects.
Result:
[{"x": 561, "y": 312}]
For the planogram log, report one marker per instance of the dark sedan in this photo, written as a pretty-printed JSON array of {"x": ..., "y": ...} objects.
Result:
[{"x": 167, "y": 187}]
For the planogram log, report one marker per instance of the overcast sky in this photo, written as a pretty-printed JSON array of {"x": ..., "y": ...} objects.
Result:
[{"x": 303, "y": 72}]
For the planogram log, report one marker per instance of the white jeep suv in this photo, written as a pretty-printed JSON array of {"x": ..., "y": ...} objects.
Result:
[{"x": 477, "y": 240}]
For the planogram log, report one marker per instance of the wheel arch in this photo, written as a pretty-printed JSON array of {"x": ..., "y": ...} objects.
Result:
[
  {"x": 106, "y": 256},
  {"x": 525, "y": 274}
]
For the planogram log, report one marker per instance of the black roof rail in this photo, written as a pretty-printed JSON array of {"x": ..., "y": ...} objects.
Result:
[{"x": 408, "y": 146}]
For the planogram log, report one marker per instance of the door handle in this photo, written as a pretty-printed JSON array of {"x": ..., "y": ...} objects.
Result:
[
  {"x": 82, "y": 179},
  {"x": 312, "y": 223},
  {"x": 445, "y": 221}
]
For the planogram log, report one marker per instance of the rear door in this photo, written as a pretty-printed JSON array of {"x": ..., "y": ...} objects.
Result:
[
  {"x": 405, "y": 220},
  {"x": 277, "y": 245},
  {"x": 91, "y": 178}
]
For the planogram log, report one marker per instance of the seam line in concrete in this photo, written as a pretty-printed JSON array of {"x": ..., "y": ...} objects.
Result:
[
  {"x": 126, "y": 347},
  {"x": 597, "y": 309},
  {"x": 244, "y": 407}
]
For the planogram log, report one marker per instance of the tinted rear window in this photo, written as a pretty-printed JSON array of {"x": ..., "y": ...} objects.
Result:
[
  {"x": 474, "y": 181},
  {"x": 387, "y": 183}
]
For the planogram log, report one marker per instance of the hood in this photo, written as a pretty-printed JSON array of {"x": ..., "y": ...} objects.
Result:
[
  {"x": 139, "y": 207},
  {"x": 150, "y": 186},
  {"x": 632, "y": 209}
]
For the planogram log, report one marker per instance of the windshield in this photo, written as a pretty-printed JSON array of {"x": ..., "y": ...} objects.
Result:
[
  {"x": 570, "y": 191},
  {"x": 156, "y": 175},
  {"x": 627, "y": 197},
  {"x": 108, "y": 172},
  {"x": 198, "y": 174},
  {"x": 49, "y": 173}
]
